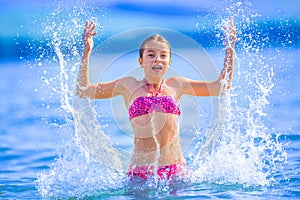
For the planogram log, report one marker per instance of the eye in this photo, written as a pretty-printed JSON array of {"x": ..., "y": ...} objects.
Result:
[{"x": 150, "y": 55}]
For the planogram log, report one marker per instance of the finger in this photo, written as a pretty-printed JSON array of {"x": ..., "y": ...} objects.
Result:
[
  {"x": 93, "y": 27},
  {"x": 86, "y": 24},
  {"x": 86, "y": 28},
  {"x": 232, "y": 27},
  {"x": 233, "y": 31},
  {"x": 91, "y": 24},
  {"x": 232, "y": 21}
]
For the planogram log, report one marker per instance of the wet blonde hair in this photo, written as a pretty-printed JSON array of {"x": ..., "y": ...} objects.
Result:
[{"x": 154, "y": 38}]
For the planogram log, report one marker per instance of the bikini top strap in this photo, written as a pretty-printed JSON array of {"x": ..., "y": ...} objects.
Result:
[{"x": 158, "y": 91}]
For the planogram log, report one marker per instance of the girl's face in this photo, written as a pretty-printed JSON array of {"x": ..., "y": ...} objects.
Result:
[{"x": 155, "y": 59}]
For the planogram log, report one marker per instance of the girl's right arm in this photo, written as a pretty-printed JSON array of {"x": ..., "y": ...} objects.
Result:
[{"x": 84, "y": 89}]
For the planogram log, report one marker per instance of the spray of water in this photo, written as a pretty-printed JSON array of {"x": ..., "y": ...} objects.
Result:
[
  {"x": 81, "y": 159},
  {"x": 237, "y": 149},
  {"x": 239, "y": 140}
]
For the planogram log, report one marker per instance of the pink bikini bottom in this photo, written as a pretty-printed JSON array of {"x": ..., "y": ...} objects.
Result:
[{"x": 168, "y": 171}]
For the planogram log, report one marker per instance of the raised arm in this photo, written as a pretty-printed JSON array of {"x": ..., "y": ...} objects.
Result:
[
  {"x": 84, "y": 88},
  {"x": 229, "y": 43},
  {"x": 213, "y": 88}
]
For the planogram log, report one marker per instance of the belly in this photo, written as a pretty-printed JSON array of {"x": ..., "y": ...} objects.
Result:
[
  {"x": 145, "y": 155},
  {"x": 156, "y": 139},
  {"x": 145, "y": 126}
]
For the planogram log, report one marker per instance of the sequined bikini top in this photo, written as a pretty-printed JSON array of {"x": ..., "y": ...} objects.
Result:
[{"x": 147, "y": 104}]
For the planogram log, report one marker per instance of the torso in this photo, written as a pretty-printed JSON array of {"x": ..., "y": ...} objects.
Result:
[{"x": 156, "y": 130}]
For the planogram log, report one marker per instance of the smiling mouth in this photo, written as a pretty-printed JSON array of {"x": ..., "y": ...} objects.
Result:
[{"x": 157, "y": 67}]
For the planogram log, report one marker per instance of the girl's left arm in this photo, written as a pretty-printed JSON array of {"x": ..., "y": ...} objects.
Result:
[{"x": 214, "y": 88}]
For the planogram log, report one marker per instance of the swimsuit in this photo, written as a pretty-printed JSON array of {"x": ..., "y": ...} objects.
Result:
[
  {"x": 168, "y": 171},
  {"x": 144, "y": 105}
]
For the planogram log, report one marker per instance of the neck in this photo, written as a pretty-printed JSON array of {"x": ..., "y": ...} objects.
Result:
[
  {"x": 155, "y": 89},
  {"x": 154, "y": 83}
]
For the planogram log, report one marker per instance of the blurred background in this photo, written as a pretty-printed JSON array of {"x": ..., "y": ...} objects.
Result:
[
  {"x": 23, "y": 22},
  {"x": 36, "y": 89}
]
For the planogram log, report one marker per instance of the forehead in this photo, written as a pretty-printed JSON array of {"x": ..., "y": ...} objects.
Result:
[{"x": 156, "y": 46}]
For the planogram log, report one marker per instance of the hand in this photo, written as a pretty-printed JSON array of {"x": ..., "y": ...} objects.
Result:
[
  {"x": 88, "y": 34},
  {"x": 230, "y": 35}
]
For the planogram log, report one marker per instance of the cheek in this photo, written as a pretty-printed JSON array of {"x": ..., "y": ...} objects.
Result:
[
  {"x": 144, "y": 61},
  {"x": 148, "y": 60},
  {"x": 168, "y": 61}
]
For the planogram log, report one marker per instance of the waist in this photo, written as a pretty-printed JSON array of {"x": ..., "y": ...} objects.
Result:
[
  {"x": 167, "y": 155},
  {"x": 166, "y": 171},
  {"x": 163, "y": 143}
]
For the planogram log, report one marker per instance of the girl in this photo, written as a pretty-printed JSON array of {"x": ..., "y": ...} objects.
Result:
[{"x": 153, "y": 102}]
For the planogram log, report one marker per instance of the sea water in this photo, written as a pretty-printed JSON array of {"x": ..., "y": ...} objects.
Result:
[{"x": 56, "y": 145}]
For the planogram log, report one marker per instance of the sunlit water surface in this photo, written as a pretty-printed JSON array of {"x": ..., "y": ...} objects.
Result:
[{"x": 242, "y": 145}]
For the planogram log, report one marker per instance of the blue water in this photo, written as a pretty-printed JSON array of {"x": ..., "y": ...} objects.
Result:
[{"x": 255, "y": 155}]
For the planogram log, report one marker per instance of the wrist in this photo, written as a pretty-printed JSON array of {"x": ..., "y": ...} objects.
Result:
[
  {"x": 86, "y": 53},
  {"x": 229, "y": 48}
]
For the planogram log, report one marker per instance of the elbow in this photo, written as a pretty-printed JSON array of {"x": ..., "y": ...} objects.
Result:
[
  {"x": 80, "y": 92},
  {"x": 224, "y": 82},
  {"x": 228, "y": 87},
  {"x": 86, "y": 92},
  {"x": 223, "y": 87}
]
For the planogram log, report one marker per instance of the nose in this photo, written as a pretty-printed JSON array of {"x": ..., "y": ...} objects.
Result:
[{"x": 158, "y": 59}]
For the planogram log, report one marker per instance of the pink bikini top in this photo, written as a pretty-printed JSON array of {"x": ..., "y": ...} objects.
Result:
[{"x": 144, "y": 105}]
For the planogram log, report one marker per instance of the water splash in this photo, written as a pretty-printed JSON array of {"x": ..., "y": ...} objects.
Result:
[
  {"x": 238, "y": 139},
  {"x": 238, "y": 149},
  {"x": 86, "y": 156}
]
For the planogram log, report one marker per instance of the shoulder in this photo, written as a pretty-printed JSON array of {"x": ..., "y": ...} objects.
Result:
[
  {"x": 128, "y": 84},
  {"x": 175, "y": 81},
  {"x": 176, "y": 84},
  {"x": 179, "y": 84},
  {"x": 127, "y": 81}
]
